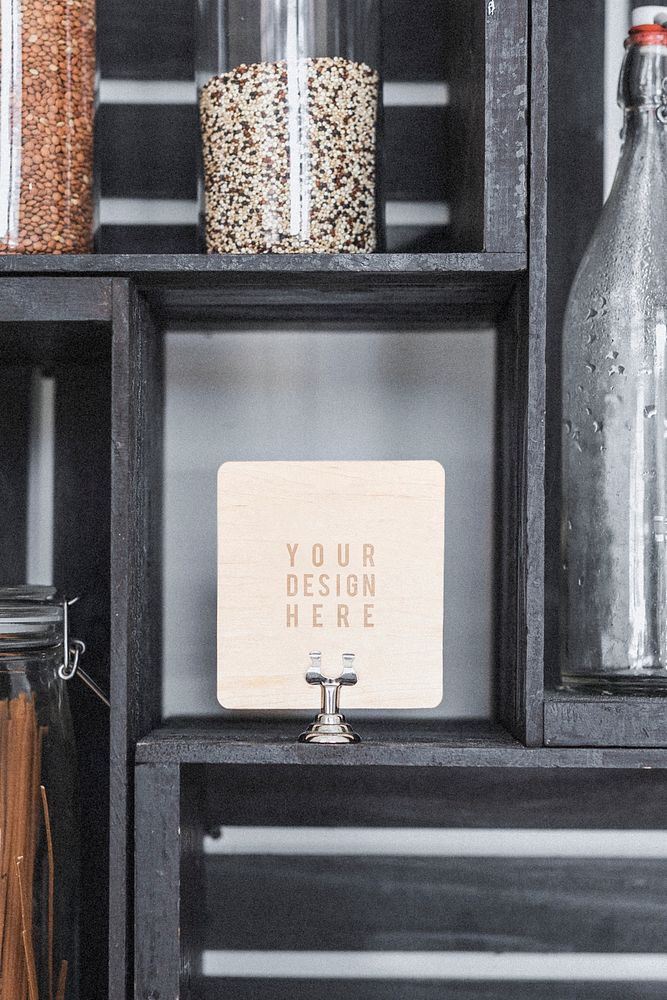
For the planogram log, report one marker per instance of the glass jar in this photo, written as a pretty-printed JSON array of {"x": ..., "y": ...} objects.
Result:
[
  {"x": 289, "y": 95},
  {"x": 47, "y": 98},
  {"x": 38, "y": 813}
]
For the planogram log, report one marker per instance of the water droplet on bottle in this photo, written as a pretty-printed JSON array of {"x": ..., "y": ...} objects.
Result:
[
  {"x": 589, "y": 411},
  {"x": 590, "y": 368},
  {"x": 649, "y": 411},
  {"x": 616, "y": 370},
  {"x": 597, "y": 426},
  {"x": 567, "y": 424},
  {"x": 569, "y": 524},
  {"x": 612, "y": 355},
  {"x": 592, "y": 313},
  {"x": 592, "y": 337},
  {"x": 580, "y": 581}
]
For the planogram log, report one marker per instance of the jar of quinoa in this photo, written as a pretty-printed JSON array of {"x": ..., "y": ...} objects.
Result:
[
  {"x": 289, "y": 94},
  {"x": 47, "y": 101}
]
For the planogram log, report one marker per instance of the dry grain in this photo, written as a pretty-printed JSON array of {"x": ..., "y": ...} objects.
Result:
[{"x": 289, "y": 158}]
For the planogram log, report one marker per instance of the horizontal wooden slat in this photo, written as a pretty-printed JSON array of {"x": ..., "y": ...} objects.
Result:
[
  {"x": 429, "y": 270},
  {"x": 451, "y": 743},
  {"x": 155, "y": 39},
  {"x": 151, "y": 40},
  {"x": 148, "y": 239},
  {"x": 53, "y": 300},
  {"x": 604, "y": 721},
  {"x": 434, "y": 904},
  {"x": 150, "y": 151},
  {"x": 185, "y": 239},
  {"x": 305, "y": 989},
  {"x": 532, "y": 798}
]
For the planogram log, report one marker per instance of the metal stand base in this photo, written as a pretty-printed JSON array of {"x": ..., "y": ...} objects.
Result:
[
  {"x": 329, "y": 729},
  {"x": 330, "y": 726}
]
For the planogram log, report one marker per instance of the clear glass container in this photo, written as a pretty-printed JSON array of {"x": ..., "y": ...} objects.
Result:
[
  {"x": 47, "y": 100},
  {"x": 38, "y": 811},
  {"x": 289, "y": 97},
  {"x": 615, "y": 407}
]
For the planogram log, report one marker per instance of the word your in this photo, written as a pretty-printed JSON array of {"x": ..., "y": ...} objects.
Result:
[{"x": 355, "y": 587}]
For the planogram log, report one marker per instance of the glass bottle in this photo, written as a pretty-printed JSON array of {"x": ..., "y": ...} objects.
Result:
[
  {"x": 38, "y": 813},
  {"x": 289, "y": 94},
  {"x": 47, "y": 99},
  {"x": 615, "y": 406}
]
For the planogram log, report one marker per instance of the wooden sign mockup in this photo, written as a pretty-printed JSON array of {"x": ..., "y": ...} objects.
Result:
[{"x": 338, "y": 557}]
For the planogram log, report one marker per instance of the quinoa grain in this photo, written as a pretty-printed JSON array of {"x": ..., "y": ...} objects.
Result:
[{"x": 258, "y": 199}]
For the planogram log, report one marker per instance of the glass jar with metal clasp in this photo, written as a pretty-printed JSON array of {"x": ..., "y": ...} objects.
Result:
[{"x": 39, "y": 828}]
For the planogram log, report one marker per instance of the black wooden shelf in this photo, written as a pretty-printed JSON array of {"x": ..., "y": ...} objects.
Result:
[
  {"x": 385, "y": 743},
  {"x": 440, "y": 289},
  {"x": 151, "y": 267}
]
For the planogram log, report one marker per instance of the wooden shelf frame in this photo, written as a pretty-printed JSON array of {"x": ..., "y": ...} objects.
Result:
[{"x": 109, "y": 312}]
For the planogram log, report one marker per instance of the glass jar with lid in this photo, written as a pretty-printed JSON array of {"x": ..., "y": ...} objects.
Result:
[
  {"x": 47, "y": 104},
  {"x": 38, "y": 810},
  {"x": 289, "y": 97}
]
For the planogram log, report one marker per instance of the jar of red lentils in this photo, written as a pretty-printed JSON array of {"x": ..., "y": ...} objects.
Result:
[
  {"x": 47, "y": 102},
  {"x": 289, "y": 98}
]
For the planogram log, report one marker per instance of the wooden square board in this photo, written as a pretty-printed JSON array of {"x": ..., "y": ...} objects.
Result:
[{"x": 336, "y": 557}]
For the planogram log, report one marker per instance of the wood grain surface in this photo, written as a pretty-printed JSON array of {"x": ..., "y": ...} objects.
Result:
[{"x": 338, "y": 557}]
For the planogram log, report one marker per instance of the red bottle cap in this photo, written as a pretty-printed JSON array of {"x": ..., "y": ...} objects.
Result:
[{"x": 647, "y": 34}]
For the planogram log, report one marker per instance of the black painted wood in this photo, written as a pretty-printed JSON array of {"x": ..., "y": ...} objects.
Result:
[
  {"x": 389, "y": 744},
  {"x": 451, "y": 289},
  {"x": 81, "y": 560},
  {"x": 156, "y": 239},
  {"x": 511, "y": 526},
  {"x": 164, "y": 164},
  {"x": 155, "y": 41},
  {"x": 15, "y": 393},
  {"x": 576, "y": 133},
  {"x": 171, "y": 269},
  {"x": 537, "y": 375},
  {"x": 157, "y": 912},
  {"x": 605, "y": 798},
  {"x": 434, "y": 904},
  {"x": 604, "y": 721},
  {"x": 306, "y": 989},
  {"x": 464, "y": 160},
  {"x": 135, "y": 588},
  {"x": 46, "y": 300},
  {"x": 506, "y": 140}
]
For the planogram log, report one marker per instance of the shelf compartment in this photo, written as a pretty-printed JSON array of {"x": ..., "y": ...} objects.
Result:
[
  {"x": 208, "y": 900},
  {"x": 469, "y": 154},
  {"x": 450, "y": 288}
]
